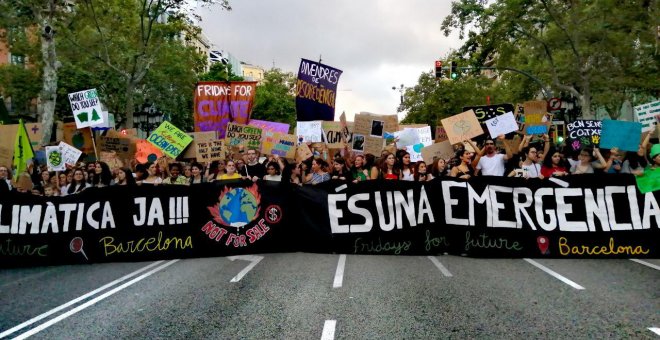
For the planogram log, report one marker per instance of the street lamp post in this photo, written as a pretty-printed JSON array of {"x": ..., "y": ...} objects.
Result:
[{"x": 401, "y": 90}]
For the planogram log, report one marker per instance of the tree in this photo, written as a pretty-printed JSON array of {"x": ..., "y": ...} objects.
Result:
[
  {"x": 275, "y": 97},
  {"x": 129, "y": 37},
  {"x": 579, "y": 47},
  {"x": 220, "y": 72}
]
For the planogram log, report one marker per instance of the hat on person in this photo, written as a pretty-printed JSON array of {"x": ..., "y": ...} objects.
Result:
[{"x": 655, "y": 150}]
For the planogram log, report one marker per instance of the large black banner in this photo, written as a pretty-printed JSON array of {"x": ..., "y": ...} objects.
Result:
[{"x": 582, "y": 216}]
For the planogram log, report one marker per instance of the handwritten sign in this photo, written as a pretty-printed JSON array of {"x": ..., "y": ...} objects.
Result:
[
  {"x": 281, "y": 144},
  {"x": 243, "y": 136},
  {"x": 486, "y": 112},
  {"x": 620, "y": 134},
  {"x": 440, "y": 133},
  {"x": 535, "y": 106},
  {"x": 425, "y": 136},
  {"x": 462, "y": 126},
  {"x": 123, "y": 147},
  {"x": 310, "y": 132},
  {"x": 191, "y": 150},
  {"x": 55, "y": 158},
  {"x": 364, "y": 124},
  {"x": 146, "y": 152},
  {"x": 373, "y": 145},
  {"x": 303, "y": 153},
  {"x": 86, "y": 108},
  {"x": 332, "y": 134},
  {"x": 583, "y": 134},
  {"x": 535, "y": 124},
  {"x": 270, "y": 126},
  {"x": 170, "y": 139},
  {"x": 111, "y": 158},
  {"x": 501, "y": 125},
  {"x": 443, "y": 150},
  {"x": 646, "y": 114},
  {"x": 209, "y": 151},
  {"x": 218, "y": 103},
  {"x": 70, "y": 155}
]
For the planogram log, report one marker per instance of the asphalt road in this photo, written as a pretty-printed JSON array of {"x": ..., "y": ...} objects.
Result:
[{"x": 298, "y": 296}]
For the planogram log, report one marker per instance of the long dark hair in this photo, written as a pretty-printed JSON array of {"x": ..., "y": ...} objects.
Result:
[
  {"x": 547, "y": 159},
  {"x": 130, "y": 180},
  {"x": 105, "y": 177},
  {"x": 76, "y": 186}
]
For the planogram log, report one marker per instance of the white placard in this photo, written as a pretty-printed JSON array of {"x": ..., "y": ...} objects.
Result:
[
  {"x": 501, "y": 125},
  {"x": 425, "y": 136},
  {"x": 407, "y": 136},
  {"x": 70, "y": 155},
  {"x": 311, "y": 131},
  {"x": 55, "y": 158},
  {"x": 86, "y": 108},
  {"x": 415, "y": 152},
  {"x": 646, "y": 115}
]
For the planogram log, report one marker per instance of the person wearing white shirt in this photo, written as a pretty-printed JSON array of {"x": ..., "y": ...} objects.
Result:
[{"x": 489, "y": 162}]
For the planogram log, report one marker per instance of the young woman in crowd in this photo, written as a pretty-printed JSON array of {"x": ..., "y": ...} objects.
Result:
[
  {"x": 388, "y": 168},
  {"x": 78, "y": 183},
  {"x": 405, "y": 167},
  {"x": 230, "y": 172},
  {"x": 102, "y": 175},
  {"x": 358, "y": 171},
  {"x": 273, "y": 172},
  {"x": 293, "y": 173},
  {"x": 339, "y": 170},
  {"x": 530, "y": 165},
  {"x": 614, "y": 163},
  {"x": 187, "y": 171},
  {"x": 175, "y": 175},
  {"x": 63, "y": 178},
  {"x": 125, "y": 177},
  {"x": 421, "y": 173},
  {"x": 44, "y": 178},
  {"x": 151, "y": 176},
  {"x": 554, "y": 164},
  {"x": 318, "y": 173},
  {"x": 54, "y": 180},
  {"x": 586, "y": 163},
  {"x": 5, "y": 176},
  {"x": 439, "y": 168},
  {"x": 464, "y": 169},
  {"x": 196, "y": 174}
]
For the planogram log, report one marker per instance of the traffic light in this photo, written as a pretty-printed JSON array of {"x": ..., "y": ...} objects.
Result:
[
  {"x": 454, "y": 70},
  {"x": 438, "y": 69}
]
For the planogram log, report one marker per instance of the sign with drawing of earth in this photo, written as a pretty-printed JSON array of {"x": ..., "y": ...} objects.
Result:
[{"x": 237, "y": 207}]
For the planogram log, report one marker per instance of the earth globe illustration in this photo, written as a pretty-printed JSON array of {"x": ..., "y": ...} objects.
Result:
[{"x": 238, "y": 207}]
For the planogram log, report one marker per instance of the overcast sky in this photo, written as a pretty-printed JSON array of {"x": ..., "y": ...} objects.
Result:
[{"x": 377, "y": 44}]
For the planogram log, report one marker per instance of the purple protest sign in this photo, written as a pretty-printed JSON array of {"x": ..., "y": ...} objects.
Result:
[
  {"x": 316, "y": 91},
  {"x": 219, "y": 103},
  {"x": 270, "y": 126}
]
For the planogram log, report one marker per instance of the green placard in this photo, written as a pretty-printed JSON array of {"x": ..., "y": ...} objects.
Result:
[{"x": 170, "y": 139}]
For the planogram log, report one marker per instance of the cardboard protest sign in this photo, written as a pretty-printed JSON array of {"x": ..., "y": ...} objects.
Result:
[
  {"x": 8, "y": 134},
  {"x": 191, "y": 150},
  {"x": 583, "y": 134},
  {"x": 218, "y": 103},
  {"x": 440, "y": 133},
  {"x": 209, "y": 151},
  {"x": 55, "y": 158},
  {"x": 270, "y": 126},
  {"x": 70, "y": 155},
  {"x": 373, "y": 145},
  {"x": 303, "y": 153},
  {"x": 442, "y": 150},
  {"x": 170, "y": 139},
  {"x": 6, "y": 156},
  {"x": 332, "y": 134},
  {"x": 122, "y": 147},
  {"x": 146, "y": 152},
  {"x": 370, "y": 124},
  {"x": 646, "y": 114},
  {"x": 501, "y": 125},
  {"x": 316, "y": 90},
  {"x": 283, "y": 145},
  {"x": 358, "y": 143},
  {"x": 486, "y": 112},
  {"x": 86, "y": 108},
  {"x": 80, "y": 139},
  {"x": 346, "y": 129},
  {"x": 243, "y": 136},
  {"x": 535, "y": 124},
  {"x": 535, "y": 106},
  {"x": 310, "y": 131},
  {"x": 620, "y": 134},
  {"x": 462, "y": 126},
  {"x": 111, "y": 158}
]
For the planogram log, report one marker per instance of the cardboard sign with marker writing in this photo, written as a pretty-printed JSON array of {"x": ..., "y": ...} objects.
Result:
[
  {"x": 243, "y": 136},
  {"x": 534, "y": 124},
  {"x": 123, "y": 147},
  {"x": 80, "y": 139},
  {"x": 535, "y": 106},
  {"x": 373, "y": 145},
  {"x": 332, "y": 134},
  {"x": 191, "y": 150},
  {"x": 283, "y": 145},
  {"x": 170, "y": 139},
  {"x": 303, "y": 152},
  {"x": 462, "y": 126},
  {"x": 442, "y": 150},
  {"x": 364, "y": 123},
  {"x": 440, "y": 133},
  {"x": 210, "y": 151}
]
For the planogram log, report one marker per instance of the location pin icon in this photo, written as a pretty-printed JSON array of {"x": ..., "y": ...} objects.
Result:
[{"x": 543, "y": 243}]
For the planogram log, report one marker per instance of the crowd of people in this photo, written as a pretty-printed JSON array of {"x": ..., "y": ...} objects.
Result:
[{"x": 535, "y": 157}]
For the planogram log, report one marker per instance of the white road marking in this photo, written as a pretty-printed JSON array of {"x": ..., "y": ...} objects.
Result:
[
  {"x": 442, "y": 268},
  {"x": 91, "y": 302},
  {"x": 648, "y": 264},
  {"x": 252, "y": 258},
  {"x": 555, "y": 274},
  {"x": 655, "y": 330},
  {"x": 76, "y": 300},
  {"x": 329, "y": 330},
  {"x": 339, "y": 274}
]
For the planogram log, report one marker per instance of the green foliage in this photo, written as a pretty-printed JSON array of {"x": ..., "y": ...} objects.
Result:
[
  {"x": 275, "y": 100},
  {"x": 220, "y": 72},
  {"x": 21, "y": 84}
]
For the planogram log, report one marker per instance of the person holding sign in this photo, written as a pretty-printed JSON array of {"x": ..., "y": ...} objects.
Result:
[
  {"x": 463, "y": 170},
  {"x": 318, "y": 174},
  {"x": 253, "y": 170},
  {"x": 489, "y": 162},
  {"x": 649, "y": 181}
]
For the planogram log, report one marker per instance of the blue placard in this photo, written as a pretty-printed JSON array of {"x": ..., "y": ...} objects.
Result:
[{"x": 624, "y": 135}]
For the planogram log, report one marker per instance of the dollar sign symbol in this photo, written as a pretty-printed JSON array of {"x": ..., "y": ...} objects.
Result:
[{"x": 272, "y": 214}]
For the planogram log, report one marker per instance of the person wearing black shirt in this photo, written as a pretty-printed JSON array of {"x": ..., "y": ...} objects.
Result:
[{"x": 253, "y": 169}]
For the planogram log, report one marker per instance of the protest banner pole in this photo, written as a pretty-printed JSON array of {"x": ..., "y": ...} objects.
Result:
[{"x": 96, "y": 155}]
